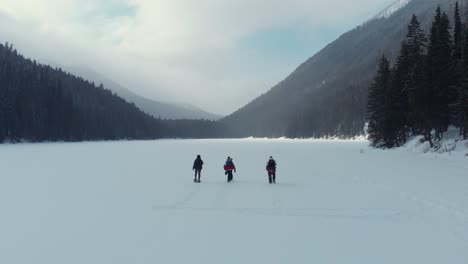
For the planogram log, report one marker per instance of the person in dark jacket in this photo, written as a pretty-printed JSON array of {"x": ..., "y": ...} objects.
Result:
[
  {"x": 228, "y": 168},
  {"x": 271, "y": 169},
  {"x": 197, "y": 167}
]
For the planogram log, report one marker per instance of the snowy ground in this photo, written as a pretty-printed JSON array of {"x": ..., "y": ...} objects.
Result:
[{"x": 135, "y": 202}]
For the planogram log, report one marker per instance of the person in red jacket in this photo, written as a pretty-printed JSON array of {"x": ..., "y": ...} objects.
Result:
[
  {"x": 228, "y": 168},
  {"x": 271, "y": 169}
]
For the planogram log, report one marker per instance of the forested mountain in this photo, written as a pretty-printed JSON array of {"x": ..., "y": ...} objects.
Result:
[
  {"x": 327, "y": 95},
  {"x": 157, "y": 109},
  {"x": 41, "y": 103}
]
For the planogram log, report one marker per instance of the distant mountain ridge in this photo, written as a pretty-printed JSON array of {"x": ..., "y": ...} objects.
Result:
[
  {"x": 327, "y": 94},
  {"x": 157, "y": 109}
]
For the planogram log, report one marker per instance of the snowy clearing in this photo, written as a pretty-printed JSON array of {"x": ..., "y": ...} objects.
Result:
[{"x": 135, "y": 202}]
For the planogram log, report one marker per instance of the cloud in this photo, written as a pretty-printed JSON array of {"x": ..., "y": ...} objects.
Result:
[{"x": 216, "y": 54}]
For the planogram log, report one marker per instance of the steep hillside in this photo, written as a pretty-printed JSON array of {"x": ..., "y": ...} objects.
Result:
[{"x": 327, "y": 94}]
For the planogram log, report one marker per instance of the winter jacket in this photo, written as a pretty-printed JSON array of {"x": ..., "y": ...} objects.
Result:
[
  {"x": 229, "y": 166},
  {"x": 198, "y": 164},
  {"x": 271, "y": 165}
]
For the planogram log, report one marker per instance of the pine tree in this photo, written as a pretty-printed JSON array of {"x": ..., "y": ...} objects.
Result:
[
  {"x": 439, "y": 72},
  {"x": 458, "y": 35},
  {"x": 376, "y": 115},
  {"x": 463, "y": 102},
  {"x": 397, "y": 103},
  {"x": 416, "y": 40},
  {"x": 455, "y": 96},
  {"x": 462, "y": 107}
]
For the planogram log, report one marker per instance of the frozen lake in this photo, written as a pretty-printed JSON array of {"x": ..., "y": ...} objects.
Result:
[{"x": 135, "y": 202}]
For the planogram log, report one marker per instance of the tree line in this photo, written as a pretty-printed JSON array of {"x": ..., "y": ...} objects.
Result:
[
  {"x": 40, "y": 103},
  {"x": 426, "y": 90}
]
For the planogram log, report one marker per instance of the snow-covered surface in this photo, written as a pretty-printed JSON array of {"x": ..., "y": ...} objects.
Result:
[
  {"x": 391, "y": 9},
  {"x": 326, "y": 139},
  {"x": 451, "y": 143},
  {"x": 135, "y": 202}
]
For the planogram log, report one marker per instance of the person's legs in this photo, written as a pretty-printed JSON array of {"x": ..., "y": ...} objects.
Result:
[
  {"x": 274, "y": 177},
  {"x": 230, "y": 176},
  {"x": 199, "y": 175},
  {"x": 269, "y": 177}
]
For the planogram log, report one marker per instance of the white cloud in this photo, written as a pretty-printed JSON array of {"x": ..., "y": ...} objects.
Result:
[{"x": 173, "y": 49}]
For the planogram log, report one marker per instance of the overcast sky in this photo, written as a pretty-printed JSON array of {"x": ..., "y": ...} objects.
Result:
[{"x": 216, "y": 54}]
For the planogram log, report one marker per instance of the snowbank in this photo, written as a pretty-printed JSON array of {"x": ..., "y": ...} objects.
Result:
[
  {"x": 451, "y": 143},
  {"x": 330, "y": 138}
]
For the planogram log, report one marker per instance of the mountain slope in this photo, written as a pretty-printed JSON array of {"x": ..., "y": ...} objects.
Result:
[
  {"x": 394, "y": 7},
  {"x": 327, "y": 94},
  {"x": 152, "y": 107},
  {"x": 39, "y": 103}
]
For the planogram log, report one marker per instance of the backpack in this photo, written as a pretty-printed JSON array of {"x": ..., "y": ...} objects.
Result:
[
  {"x": 229, "y": 165},
  {"x": 271, "y": 166},
  {"x": 271, "y": 163}
]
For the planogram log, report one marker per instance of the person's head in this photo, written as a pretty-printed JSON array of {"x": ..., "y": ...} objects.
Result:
[
  {"x": 198, "y": 157},
  {"x": 229, "y": 158},
  {"x": 271, "y": 157}
]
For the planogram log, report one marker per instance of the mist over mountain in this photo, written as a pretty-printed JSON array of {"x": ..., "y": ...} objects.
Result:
[
  {"x": 40, "y": 103},
  {"x": 157, "y": 109},
  {"x": 327, "y": 94}
]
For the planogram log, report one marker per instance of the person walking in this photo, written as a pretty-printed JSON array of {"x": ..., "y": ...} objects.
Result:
[
  {"x": 271, "y": 169},
  {"x": 197, "y": 167},
  {"x": 228, "y": 168}
]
